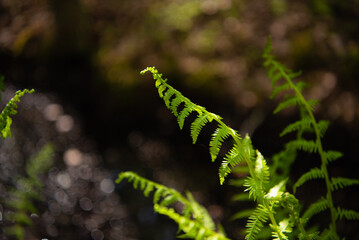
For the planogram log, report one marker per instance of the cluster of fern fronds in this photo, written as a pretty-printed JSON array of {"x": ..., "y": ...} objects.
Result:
[{"x": 276, "y": 209}]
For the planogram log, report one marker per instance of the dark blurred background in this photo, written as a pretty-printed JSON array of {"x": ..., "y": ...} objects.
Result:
[{"x": 83, "y": 58}]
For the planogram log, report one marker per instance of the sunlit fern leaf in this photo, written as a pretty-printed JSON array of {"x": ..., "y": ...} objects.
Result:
[
  {"x": 231, "y": 159},
  {"x": 254, "y": 188},
  {"x": 200, "y": 213},
  {"x": 304, "y": 145},
  {"x": 279, "y": 233},
  {"x": 8, "y": 111},
  {"x": 191, "y": 228},
  {"x": 168, "y": 95},
  {"x": 261, "y": 168},
  {"x": 275, "y": 193},
  {"x": 198, "y": 124},
  {"x": 290, "y": 102},
  {"x": 217, "y": 139},
  {"x": 302, "y": 124},
  {"x": 175, "y": 103},
  {"x": 331, "y": 156},
  {"x": 184, "y": 114},
  {"x": 314, "y": 173},
  {"x": 255, "y": 222},
  {"x": 347, "y": 214},
  {"x": 340, "y": 182},
  {"x": 315, "y": 208}
]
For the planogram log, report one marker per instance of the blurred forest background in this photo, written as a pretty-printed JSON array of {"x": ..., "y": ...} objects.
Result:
[{"x": 83, "y": 58}]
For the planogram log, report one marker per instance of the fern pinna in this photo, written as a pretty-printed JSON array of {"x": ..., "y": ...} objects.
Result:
[
  {"x": 194, "y": 221},
  {"x": 282, "y": 80},
  {"x": 257, "y": 183}
]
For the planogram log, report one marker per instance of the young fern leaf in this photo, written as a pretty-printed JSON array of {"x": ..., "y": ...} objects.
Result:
[{"x": 314, "y": 173}]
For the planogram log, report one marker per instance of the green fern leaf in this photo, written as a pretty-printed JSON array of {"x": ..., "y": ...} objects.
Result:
[
  {"x": 304, "y": 145},
  {"x": 231, "y": 159},
  {"x": 184, "y": 114},
  {"x": 322, "y": 126},
  {"x": 331, "y": 156},
  {"x": 255, "y": 222},
  {"x": 290, "y": 102},
  {"x": 340, "y": 182},
  {"x": 314, "y": 173},
  {"x": 261, "y": 168},
  {"x": 315, "y": 208},
  {"x": 347, "y": 214},
  {"x": 302, "y": 125},
  {"x": 198, "y": 124},
  {"x": 312, "y": 103},
  {"x": 279, "y": 89},
  {"x": 217, "y": 139},
  {"x": 168, "y": 95},
  {"x": 175, "y": 103},
  {"x": 8, "y": 111}
]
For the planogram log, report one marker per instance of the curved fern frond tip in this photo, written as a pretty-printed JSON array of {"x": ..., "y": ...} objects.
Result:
[
  {"x": 182, "y": 107},
  {"x": 9, "y": 110}
]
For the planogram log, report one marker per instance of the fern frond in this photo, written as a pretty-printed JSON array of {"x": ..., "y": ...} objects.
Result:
[
  {"x": 183, "y": 114},
  {"x": 315, "y": 208},
  {"x": 8, "y": 111},
  {"x": 261, "y": 168},
  {"x": 331, "y": 156},
  {"x": 255, "y": 222},
  {"x": 175, "y": 103},
  {"x": 322, "y": 127},
  {"x": 304, "y": 145},
  {"x": 279, "y": 232},
  {"x": 192, "y": 229},
  {"x": 198, "y": 124},
  {"x": 303, "y": 124},
  {"x": 314, "y": 173},
  {"x": 168, "y": 95},
  {"x": 217, "y": 139},
  {"x": 289, "y": 102},
  {"x": 340, "y": 182},
  {"x": 232, "y": 159},
  {"x": 347, "y": 214},
  {"x": 254, "y": 188}
]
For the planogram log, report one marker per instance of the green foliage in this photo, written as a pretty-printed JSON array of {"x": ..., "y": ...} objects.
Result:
[
  {"x": 282, "y": 80},
  {"x": 277, "y": 211},
  {"x": 193, "y": 221},
  {"x": 9, "y": 110},
  {"x": 20, "y": 200},
  {"x": 29, "y": 188}
]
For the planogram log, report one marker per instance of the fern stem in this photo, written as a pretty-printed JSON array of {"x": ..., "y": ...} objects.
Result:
[{"x": 318, "y": 143}]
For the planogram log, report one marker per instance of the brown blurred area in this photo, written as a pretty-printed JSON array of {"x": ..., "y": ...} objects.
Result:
[{"x": 83, "y": 58}]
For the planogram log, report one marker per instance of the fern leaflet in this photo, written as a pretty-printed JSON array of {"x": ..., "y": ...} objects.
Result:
[
  {"x": 314, "y": 173},
  {"x": 340, "y": 182}
]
